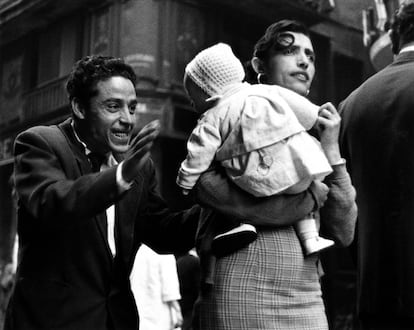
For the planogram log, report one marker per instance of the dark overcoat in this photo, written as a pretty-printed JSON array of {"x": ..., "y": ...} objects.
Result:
[{"x": 377, "y": 139}]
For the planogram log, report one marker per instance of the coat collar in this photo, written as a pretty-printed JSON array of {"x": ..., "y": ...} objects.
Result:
[
  {"x": 76, "y": 146},
  {"x": 404, "y": 57}
]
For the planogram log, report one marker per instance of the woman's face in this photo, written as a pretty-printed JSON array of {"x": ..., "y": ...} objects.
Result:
[{"x": 293, "y": 68}]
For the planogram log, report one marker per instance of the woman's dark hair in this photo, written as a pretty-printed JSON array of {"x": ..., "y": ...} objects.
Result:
[
  {"x": 277, "y": 38},
  {"x": 402, "y": 26},
  {"x": 87, "y": 72}
]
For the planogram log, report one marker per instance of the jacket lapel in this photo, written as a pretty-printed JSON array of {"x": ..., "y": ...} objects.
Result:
[
  {"x": 77, "y": 148},
  {"x": 84, "y": 167},
  {"x": 126, "y": 212},
  {"x": 102, "y": 224}
]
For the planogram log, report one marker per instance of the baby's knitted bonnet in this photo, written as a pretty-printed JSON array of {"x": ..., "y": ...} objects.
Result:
[{"x": 214, "y": 68}]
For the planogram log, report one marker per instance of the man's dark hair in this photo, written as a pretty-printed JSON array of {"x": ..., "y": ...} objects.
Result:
[
  {"x": 402, "y": 26},
  {"x": 88, "y": 71},
  {"x": 277, "y": 38}
]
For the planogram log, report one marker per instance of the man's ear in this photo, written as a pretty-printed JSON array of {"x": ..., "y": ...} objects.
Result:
[
  {"x": 78, "y": 109},
  {"x": 257, "y": 65}
]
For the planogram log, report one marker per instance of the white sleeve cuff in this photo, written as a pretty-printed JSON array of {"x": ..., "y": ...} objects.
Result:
[
  {"x": 122, "y": 184},
  {"x": 341, "y": 161}
]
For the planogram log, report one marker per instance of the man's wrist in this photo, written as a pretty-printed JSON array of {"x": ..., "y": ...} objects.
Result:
[{"x": 123, "y": 185}]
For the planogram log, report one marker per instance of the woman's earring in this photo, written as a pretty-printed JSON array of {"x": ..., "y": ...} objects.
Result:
[
  {"x": 307, "y": 92},
  {"x": 260, "y": 78}
]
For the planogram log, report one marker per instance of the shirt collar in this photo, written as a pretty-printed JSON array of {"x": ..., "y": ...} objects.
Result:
[
  {"x": 407, "y": 49},
  {"x": 87, "y": 151}
]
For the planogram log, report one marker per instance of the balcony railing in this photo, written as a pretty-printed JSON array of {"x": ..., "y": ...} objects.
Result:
[{"x": 45, "y": 99}]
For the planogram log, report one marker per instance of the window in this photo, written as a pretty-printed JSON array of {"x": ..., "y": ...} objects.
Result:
[
  {"x": 58, "y": 49},
  {"x": 49, "y": 54}
]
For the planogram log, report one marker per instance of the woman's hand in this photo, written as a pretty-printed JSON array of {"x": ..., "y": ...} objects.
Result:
[{"x": 328, "y": 125}]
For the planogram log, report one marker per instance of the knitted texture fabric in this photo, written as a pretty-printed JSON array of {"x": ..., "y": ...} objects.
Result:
[{"x": 214, "y": 68}]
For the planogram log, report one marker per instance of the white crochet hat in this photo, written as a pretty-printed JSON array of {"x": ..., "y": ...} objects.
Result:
[{"x": 215, "y": 68}]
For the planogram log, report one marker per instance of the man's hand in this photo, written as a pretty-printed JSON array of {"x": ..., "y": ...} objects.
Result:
[{"x": 139, "y": 150}]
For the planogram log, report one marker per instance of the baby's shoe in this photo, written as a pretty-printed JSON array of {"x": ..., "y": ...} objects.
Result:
[
  {"x": 316, "y": 244},
  {"x": 233, "y": 240}
]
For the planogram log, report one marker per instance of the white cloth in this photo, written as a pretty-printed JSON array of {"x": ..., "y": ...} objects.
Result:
[
  {"x": 110, "y": 211},
  {"x": 154, "y": 283},
  {"x": 258, "y": 134},
  {"x": 407, "y": 49}
]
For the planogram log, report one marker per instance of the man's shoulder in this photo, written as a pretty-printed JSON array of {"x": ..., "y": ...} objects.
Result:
[
  {"x": 385, "y": 83},
  {"x": 46, "y": 131},
  {"x": 37, "y": 133},
  {"x": 40, "y": 130},
  {"x": 51, "y": 135}
]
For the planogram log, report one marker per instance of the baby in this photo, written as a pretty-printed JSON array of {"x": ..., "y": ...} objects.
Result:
[{"x": 258, "y": 134}]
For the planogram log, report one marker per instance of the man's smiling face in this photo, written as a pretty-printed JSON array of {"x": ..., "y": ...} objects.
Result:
[{"x": 111, "y": 117}]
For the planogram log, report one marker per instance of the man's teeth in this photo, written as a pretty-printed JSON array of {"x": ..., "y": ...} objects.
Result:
[{"x": 121, "y": 135}]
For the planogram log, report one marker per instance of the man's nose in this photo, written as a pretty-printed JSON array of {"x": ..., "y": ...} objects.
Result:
[{"x": 126, "y": 116}]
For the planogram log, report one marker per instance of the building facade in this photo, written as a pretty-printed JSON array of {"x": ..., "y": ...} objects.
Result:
[{"x": 41, "y": 39}]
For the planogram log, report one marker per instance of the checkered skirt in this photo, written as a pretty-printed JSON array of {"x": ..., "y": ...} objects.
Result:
[{"x": 267, "y": 285}]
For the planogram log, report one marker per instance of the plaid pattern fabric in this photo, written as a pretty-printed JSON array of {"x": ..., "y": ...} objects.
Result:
[{"x": 267, "y": 285}]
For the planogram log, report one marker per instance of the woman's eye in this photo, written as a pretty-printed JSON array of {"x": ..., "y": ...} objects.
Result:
[
  {"x": 289, "y": 51},
  {"x": 311, "y": 57}
]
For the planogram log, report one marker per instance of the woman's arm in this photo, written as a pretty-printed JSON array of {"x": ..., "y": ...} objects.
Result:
[
  {"x": 214, "y": 190},
  {"x": 338, "y": 215}
]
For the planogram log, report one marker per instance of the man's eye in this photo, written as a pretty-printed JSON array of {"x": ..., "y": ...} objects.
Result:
[
  {"x": 132, "y": 108},
  {"x": 112, "y": 106}
]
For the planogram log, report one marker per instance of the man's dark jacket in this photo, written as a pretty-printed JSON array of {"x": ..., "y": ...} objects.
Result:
[
  {"x": 67, "y": 277},
  {"x": 377, "y": 139}
]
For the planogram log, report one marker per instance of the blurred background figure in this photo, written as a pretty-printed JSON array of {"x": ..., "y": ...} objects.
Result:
[
  {"x": 188, "y": 268},
  {"x": 6, "y": 283},
  {"x": 9, "y": 264},
  {"x": 156, "y": 289}
]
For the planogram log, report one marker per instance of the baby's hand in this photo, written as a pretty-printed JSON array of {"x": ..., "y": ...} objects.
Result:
[
  {"x": 185, "y": 192},
  {"x": 320, "y": 192}
]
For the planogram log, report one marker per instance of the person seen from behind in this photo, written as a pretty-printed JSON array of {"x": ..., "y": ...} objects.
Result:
[{"x": 377, "y": 141}]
